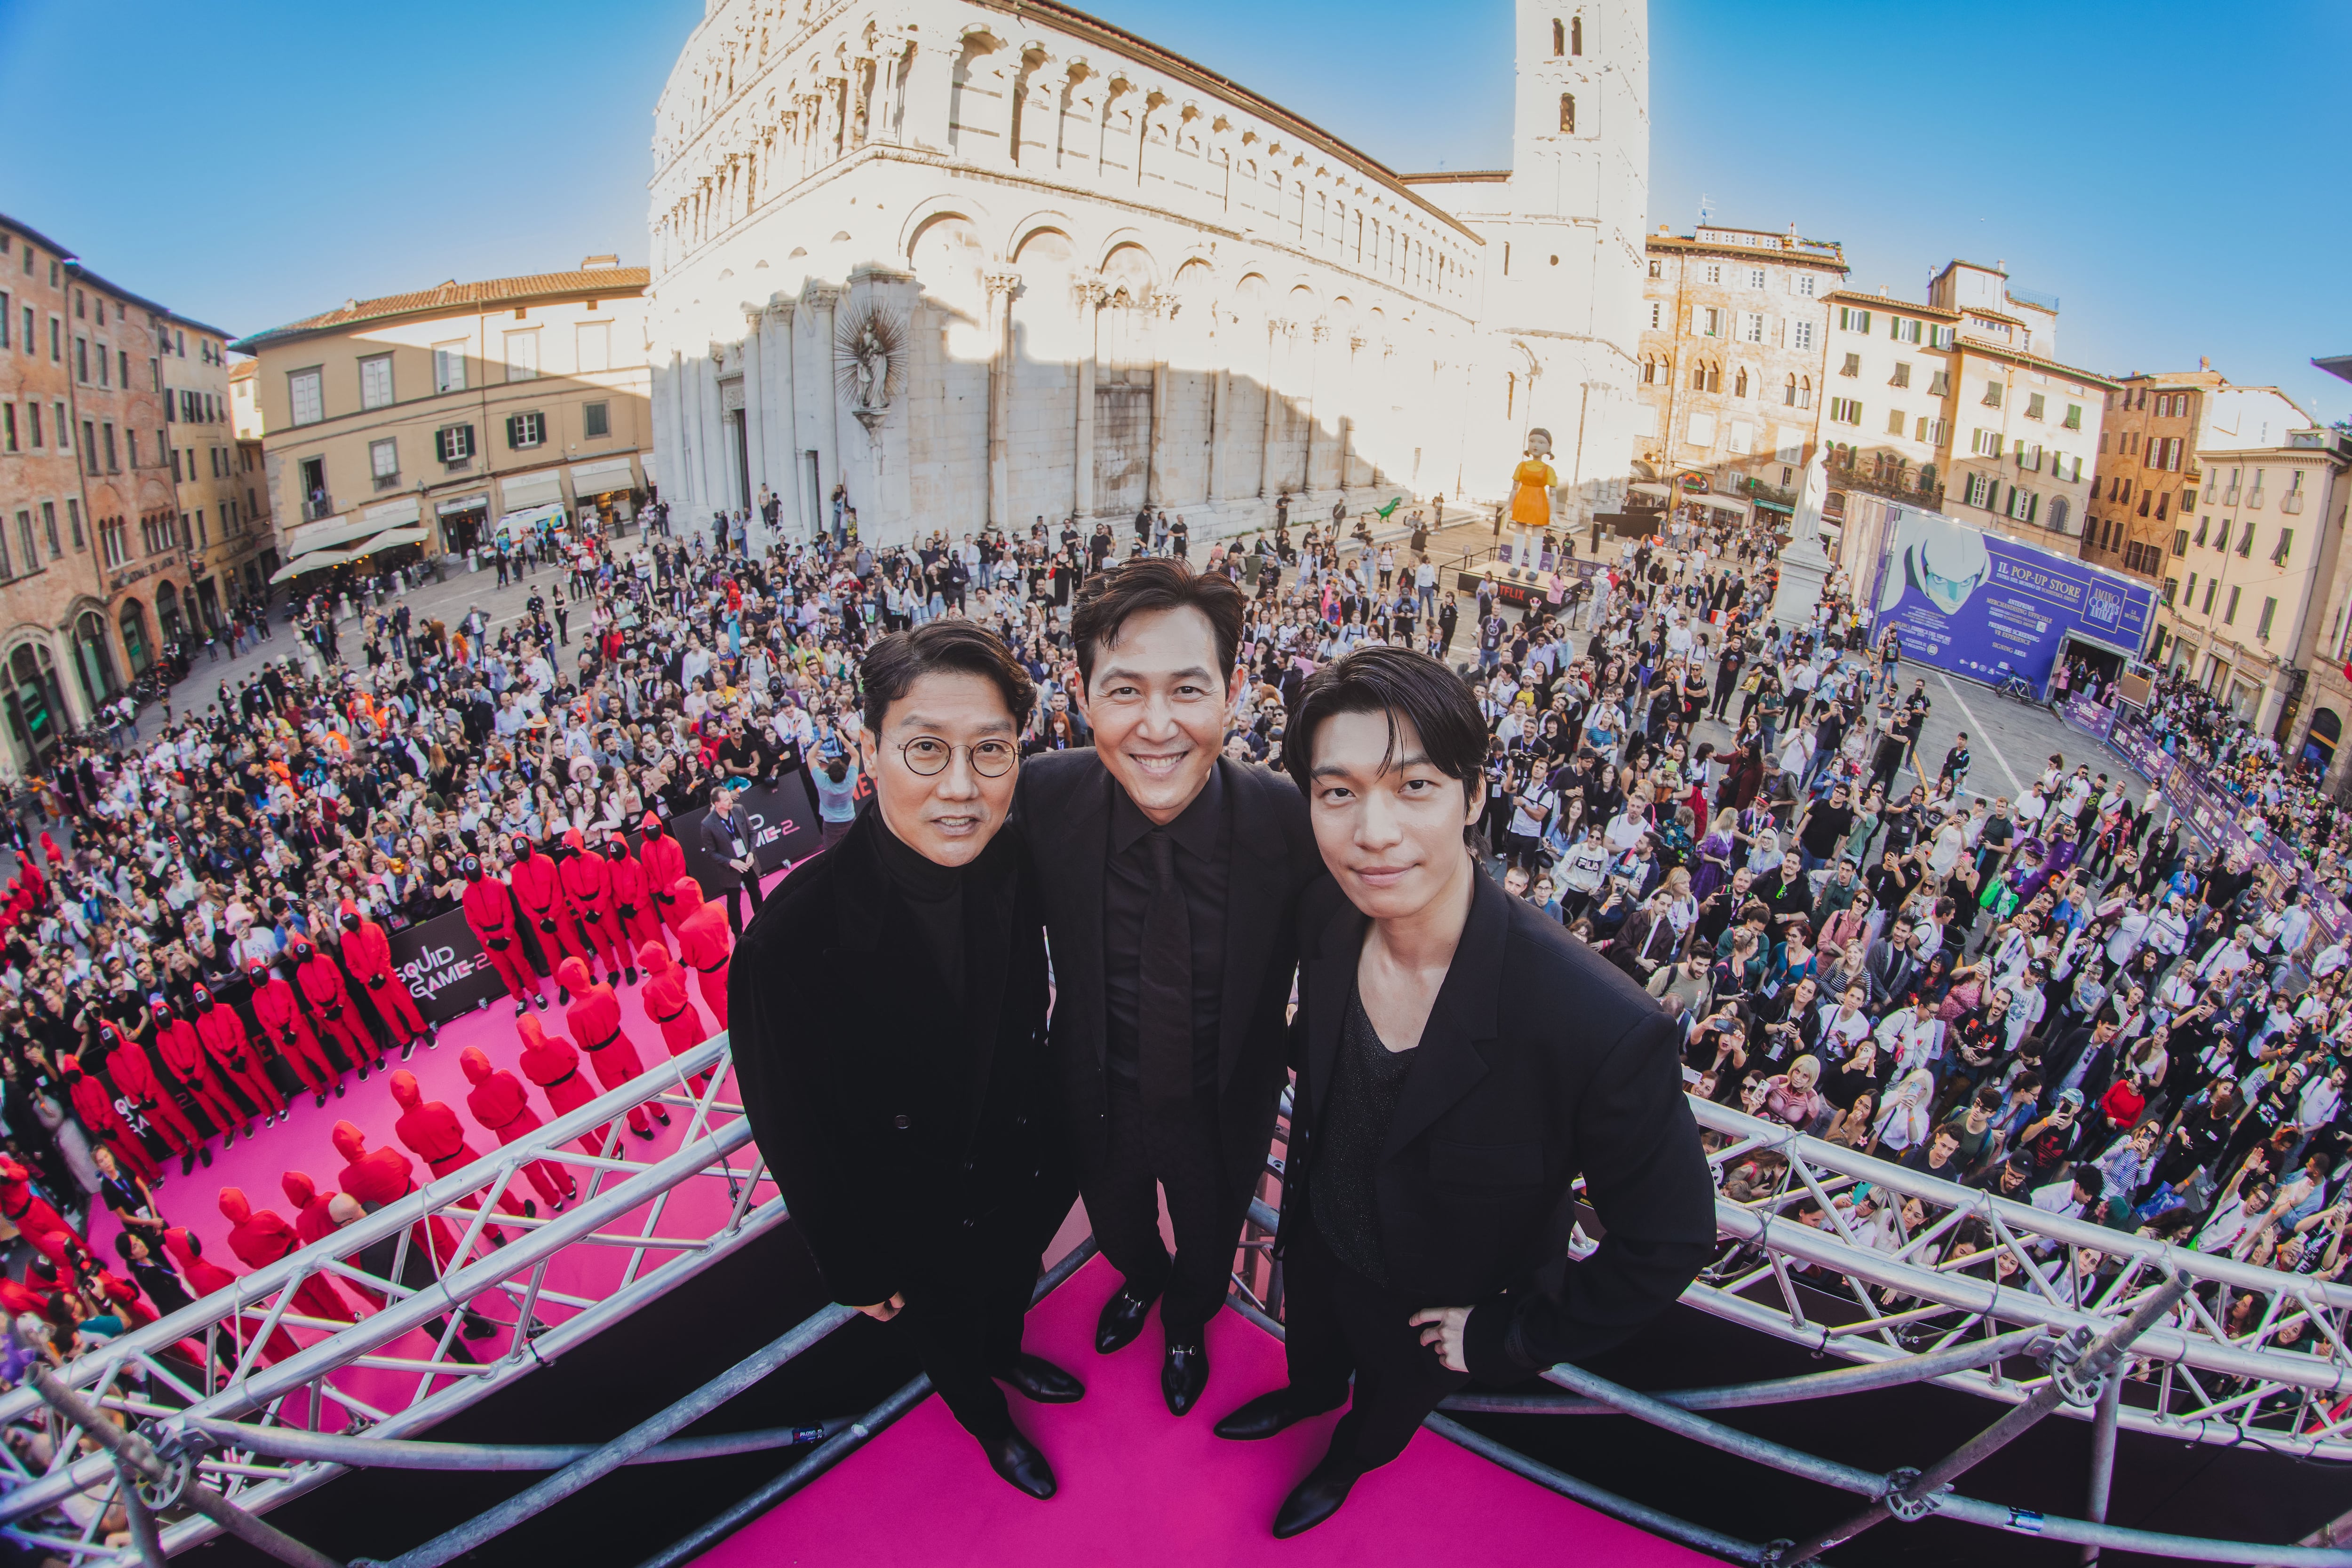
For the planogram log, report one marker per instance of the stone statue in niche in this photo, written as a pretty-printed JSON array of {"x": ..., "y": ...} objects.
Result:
[{"x": 869, "y": 361}]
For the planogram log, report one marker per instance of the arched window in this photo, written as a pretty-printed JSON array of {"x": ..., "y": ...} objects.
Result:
[
  {"x": 1558, "y": 36},
  {"x": 1568, "y": 114},
  {"x": 135, "y": 646},
  {"x": 1926, "y": 476},
  {"x": 2058, "y": 513},
  {"x": 1789, "y": 393},
  {"x": 1739, "y": 382},
  {"x": 1715, "y": 378},
  {"x": 1576, "y": 36},
  {"x": 1699, "y": 377},
  {"x": 1805, "y": 393}
]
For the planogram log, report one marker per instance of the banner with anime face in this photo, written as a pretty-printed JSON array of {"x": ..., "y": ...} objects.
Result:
[{"x": 1983, "y": 605}]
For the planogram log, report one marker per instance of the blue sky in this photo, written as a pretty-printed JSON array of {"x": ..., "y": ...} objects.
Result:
[{"x": 248, "y": 164}]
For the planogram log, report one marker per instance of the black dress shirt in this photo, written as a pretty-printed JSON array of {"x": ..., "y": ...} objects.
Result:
[{"x": 1204, "y": 837}]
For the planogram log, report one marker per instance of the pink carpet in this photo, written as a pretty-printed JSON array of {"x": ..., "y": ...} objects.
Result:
[{"x": 1141, "y": 1486}]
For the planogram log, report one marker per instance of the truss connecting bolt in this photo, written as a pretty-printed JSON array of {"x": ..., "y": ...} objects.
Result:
[{"x": 1901, "y": 1504}]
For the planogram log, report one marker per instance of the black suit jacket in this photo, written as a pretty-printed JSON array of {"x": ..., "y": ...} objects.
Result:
[
  {"x": 719, "y": 843},
  {"x": 1064, "y": 810},
  {"x": 893, "y": 1128},
  {"x": 1540, "y": 1062}
]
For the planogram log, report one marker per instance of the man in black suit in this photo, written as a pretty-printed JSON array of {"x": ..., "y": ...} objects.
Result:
[
  {"x": 888, "y": 1009},
  {"x": 725, "y": 841},
  {"x": 1169, "y": 878},
  {"x": 1462, "y": 1060}
]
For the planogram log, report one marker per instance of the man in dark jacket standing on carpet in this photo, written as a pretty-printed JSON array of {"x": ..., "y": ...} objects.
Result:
[
  {"x": 1170, "y": 878},
  {"x": 888, "y": 1009}
]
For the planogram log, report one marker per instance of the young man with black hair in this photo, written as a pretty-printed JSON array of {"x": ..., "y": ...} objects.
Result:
[
  {"x": 1446, "y": 1101},
  {"x": 889, "y": 1012},
  {"x": 1170, "y": 877}
]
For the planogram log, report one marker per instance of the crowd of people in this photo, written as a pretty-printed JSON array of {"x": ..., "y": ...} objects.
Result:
[{"x": 2062, "y": 996}]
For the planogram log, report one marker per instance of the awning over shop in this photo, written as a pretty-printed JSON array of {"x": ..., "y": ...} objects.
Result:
[
  {"x": 321, "y": 559},
  {"x": 527, "y": 490},
  {"x": 392, "y": 514},
  {"x": 1784, "y": 509},
  {"x": 1643, "y": 488},
  {"x": 328, "y": 533},
  {"x": 602, "y": 477},
  {"x": 1736, "y": 508},
  {"x": 480, "y": 501}
]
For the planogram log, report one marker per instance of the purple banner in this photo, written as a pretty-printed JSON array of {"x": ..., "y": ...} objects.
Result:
[{"x": 2081, "y": 712}]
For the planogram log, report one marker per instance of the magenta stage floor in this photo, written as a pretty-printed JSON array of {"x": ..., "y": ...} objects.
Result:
[{"x": 1141, "y": 1486}]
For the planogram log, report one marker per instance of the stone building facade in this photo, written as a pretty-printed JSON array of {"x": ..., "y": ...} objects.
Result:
[
  {"x": 89, "y": 511},
  {"x": 423, "y": 419},
  {"x": 2264, "y": 595},
  {"x": 221, "y": 535},
  {"x": 1735, "y": 324},
  {"x": 968, "y": 263}
]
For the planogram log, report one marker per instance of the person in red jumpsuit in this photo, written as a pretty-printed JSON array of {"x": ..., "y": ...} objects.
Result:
[
  {"x": 323, "y": 986},
  {"x": 595, "y": 1019},
  {"x": 184, "y": 1056},
  {"x": 706, "y": 945},
  {"x": 539, "y": 890},
  {"x": 286, "y": 1027},
  {"x": 239, "y": 1062},
  {"x": 123, "y": 1297},
  {"x": 203, "y": 1277},
  {"x": 93, "y": 1102},
  {"x": 374, "y": 1177},
  {"x": 665, "y": 863},
  {"x": 314, "y": 1218},
  {"x": 552, "y": 1062},
  {"x": 261, "y": 1238},
  {"x": 667, "y": 1004},
  {"x": 135, "y": 1080},
  {"x": 633, "y": 898},
  {"x": 490, "y": 910},
  {"x": 434, "y": 1135},
  {"x": 588, "y": 888},
  {"x": 500, "y": 1104},
  {"x": 367, "y": 953},
  {"x": 44, "y": 1230}
]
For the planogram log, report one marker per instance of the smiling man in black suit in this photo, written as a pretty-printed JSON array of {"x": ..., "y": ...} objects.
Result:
[
  {"x": 1464, "y": 1060},
  {"x": 1170, "y": 880}
]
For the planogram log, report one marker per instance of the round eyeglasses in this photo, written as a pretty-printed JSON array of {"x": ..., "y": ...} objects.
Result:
[{"x": 927, "y": 755}]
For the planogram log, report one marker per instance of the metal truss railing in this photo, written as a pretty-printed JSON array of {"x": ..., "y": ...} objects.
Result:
[
  {"x": 511, "y": 1294},
  {"x": 2251, "y": 1355}
]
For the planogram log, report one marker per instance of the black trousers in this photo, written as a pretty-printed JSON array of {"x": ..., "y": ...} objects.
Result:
[
  {"x": 750, "y": 889},
  {"x": 964, "y": 1315},
  {"x": 1338, "y": 1324},
  {"x": 1169, "y": 1144}
]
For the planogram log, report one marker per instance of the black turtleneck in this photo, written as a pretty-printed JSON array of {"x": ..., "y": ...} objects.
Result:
[{"x": 934, "y": 898}]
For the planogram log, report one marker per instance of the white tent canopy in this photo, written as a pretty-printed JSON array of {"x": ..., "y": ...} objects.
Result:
[{"x": 320, "y": 560}]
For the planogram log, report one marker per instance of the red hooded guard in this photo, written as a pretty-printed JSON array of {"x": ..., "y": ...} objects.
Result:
[
  {"x": 203, "y": 1277},
  {"x": 261, "y": 1238},
  {"x": 706, "y": 945},
  {"x": 667, "y": 1004},
  {"x": 181, "y": 1046},
  {"x": 286, "y": 1028},
  {"x": 665, "y": 863},
  {"x": 135, "y": 1080},
  {"x": 434, "y": 1135},
  {"x": 500, "y": 1105},
  {"x": 552, "y": 1062},
  {"x": 588, "y": 888},
  {"x": 595, "y": 1019},
  {"x": 42, "y": 1227},
  {"x": 367, "y": 953},
  {"x": 539, "y": 890},
  {"x": 381, "y": 1175},
  {"x": 93, "y": 1102},
  {"x": 490, "y": 910},
  {"x": 314, "y": 1219},
  {"x": 632, "y": 896},
  {"x": 234, "y": 1053},
  {"x": 321, "y": 985}
]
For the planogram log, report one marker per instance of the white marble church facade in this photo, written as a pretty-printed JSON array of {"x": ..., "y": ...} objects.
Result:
[{"x": 978, "y": 264}]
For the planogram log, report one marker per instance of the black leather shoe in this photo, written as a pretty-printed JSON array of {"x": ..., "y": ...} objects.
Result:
[
  {"x": 1122, "y": 1321},
  {"x": 1316, "y": 1498},
  {"x": 1038, "y": 1379},
  {"x": 1267, "y": 1414},
  {"x": 1016, "y": 1458},
  {"x": 1183, "y": 1375}
]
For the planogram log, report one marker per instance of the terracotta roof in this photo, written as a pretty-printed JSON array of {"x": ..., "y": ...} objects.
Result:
[
  {"x": 455, "y": 296},
  {"x": 1887, "y": 302}
]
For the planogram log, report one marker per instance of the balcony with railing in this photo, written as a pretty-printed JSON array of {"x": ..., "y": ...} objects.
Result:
[
  {"x": 2291, "y": 503},
  {"x": 319, "y": 506},
  {"x": 1917, "y": 485}
]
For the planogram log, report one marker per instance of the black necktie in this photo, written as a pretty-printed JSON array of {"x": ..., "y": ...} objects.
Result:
[{"x": 1164, "y": 996}]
